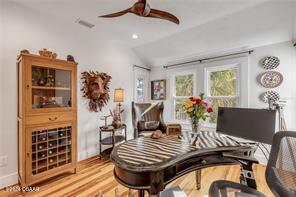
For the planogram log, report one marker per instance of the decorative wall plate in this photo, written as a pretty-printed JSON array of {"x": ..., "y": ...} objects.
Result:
[
  {"x": 271, "y": 79},
  {"x": 270, "y": 95},
  {"x": 271, "y": 62}
]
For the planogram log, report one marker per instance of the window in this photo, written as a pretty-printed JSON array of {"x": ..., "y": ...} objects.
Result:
[
  {"x": 222, "y": 89},
  {"x": 141, "y": 78},
  {"x": 183, "y": 89},
  {"x": 139, "y": 89}
]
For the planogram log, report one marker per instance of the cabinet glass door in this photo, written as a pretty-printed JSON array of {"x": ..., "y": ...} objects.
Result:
[{"x": 51, "y": 87}]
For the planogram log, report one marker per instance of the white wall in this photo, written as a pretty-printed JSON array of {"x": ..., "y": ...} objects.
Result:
[
  {"x": 286, "y": 53},
  {"x": 27, "y": 29}
]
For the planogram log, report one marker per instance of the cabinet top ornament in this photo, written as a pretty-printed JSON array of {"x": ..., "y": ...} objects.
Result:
[{"x": 46, "y": 52}]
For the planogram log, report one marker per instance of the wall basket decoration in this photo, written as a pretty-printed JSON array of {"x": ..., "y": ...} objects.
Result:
[
  {"x": 271, "y": 62},
  {"x": 270, "y": 96},
  {"x": 96, "y": 89},
  {"x": 271, "y": 79}
]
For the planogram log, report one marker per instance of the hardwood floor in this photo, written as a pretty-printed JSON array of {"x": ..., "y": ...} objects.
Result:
[{"x": 95, "y": 177}]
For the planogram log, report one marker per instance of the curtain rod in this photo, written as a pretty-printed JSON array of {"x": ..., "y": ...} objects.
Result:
[
  {"x": 142, "y": 67},
  {"x": 209, "y": 58}
]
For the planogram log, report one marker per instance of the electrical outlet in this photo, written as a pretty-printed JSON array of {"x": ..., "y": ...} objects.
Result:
[{"x": 3, "y": 160}]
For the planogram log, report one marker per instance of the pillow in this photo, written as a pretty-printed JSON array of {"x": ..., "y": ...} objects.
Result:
[{"x": 149, "y": 125}]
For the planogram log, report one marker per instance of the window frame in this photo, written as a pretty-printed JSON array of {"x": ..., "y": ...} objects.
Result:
[
  {"x": 145, "y": 75},
  {"x": 207, "y": 86},
  {"x": 143, "y": 89},
  {"x": 174, "y": 97}
]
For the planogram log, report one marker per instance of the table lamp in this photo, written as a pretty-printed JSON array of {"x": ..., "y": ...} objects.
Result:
[{"x": 119, "y": 97}]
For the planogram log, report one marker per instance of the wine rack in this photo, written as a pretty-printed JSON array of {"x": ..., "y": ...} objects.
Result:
[{"x": 51, "y": 148}]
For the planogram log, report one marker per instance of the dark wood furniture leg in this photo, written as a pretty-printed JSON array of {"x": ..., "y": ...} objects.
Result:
[
  {"x": 198, "y": 179},
  {"x": 141, "y": 193},
  {"x": 113, "y": 139},
  {"x": 100, "y": 144}
]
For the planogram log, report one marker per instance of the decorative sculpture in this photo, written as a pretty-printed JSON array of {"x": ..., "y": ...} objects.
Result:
[
  {"x": 96, "y": 89},
  {"x": 70, "y": 58},
  {"x": 47, "y": 53}
]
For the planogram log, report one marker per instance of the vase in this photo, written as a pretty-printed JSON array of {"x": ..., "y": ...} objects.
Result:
[
  {"x": 195, "y": 125},
  {"x": 116, "y": 124}
]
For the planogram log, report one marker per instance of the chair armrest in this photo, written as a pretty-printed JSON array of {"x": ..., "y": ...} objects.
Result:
[
  {"x": 240, "y": 157},
  {"x": 222, "y": 186}
]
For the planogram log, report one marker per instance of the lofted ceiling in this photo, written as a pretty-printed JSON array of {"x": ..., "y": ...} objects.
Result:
[
  {"x": 206, "y": 25},
  {"x": 190, "y": 12}
]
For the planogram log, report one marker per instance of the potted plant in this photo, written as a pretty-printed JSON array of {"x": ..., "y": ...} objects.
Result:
[{"x": 197, "y": 109}]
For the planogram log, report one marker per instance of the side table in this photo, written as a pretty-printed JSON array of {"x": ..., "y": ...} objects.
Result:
[
  {"x": 174, "y": 129},
  {"x": 112, "y": 139}
]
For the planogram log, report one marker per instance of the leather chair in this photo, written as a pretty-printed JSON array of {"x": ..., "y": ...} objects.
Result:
[
  {"x": 143, "y": 113},
  {"x": 280, "y": 171}
]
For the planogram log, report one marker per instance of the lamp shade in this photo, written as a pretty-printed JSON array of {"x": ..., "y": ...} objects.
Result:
[{"x": 118, "y": 95}]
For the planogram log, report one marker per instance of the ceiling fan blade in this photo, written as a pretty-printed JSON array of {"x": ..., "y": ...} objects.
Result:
[
  {"x": 121, "y": 13},
  {"x": 163, "y": 15}
]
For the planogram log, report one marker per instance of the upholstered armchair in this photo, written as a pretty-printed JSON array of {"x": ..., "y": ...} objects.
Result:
[{"x": 147, "y": 118}]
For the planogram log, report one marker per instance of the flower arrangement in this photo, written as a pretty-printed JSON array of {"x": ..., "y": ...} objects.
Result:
[{"x": 197, "y": 109}]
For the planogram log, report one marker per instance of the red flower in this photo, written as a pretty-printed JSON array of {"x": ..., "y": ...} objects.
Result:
[
  {"x": 197, "y": 101},
  {"x": 210, "y": 110},
  {"x": 205, "y": 104},
  {"x": 191, "y": 98}
]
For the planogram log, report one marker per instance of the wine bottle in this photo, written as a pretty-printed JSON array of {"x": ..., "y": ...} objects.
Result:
[
  {"x": 50, "y": 152},
  {"x": 40, "y": 147},
  {"x": 50, "y": 160}
]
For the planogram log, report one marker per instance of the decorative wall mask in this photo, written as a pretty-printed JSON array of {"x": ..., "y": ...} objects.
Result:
[
  {"x": 96, "y": 89},
  {"x": 271, "y": 62},
  {"x": 271, "y": 79},
  {"x": 270, "y": 96}
]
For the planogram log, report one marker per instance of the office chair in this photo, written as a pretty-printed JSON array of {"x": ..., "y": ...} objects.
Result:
[{"x": 280, "y": 171}]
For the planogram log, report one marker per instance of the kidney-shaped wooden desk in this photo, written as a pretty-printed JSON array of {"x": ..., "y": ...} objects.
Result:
[{"x": 150, "y": 164}]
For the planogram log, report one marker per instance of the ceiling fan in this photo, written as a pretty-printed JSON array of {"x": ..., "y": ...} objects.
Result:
[{"x": 142, "y": 8}]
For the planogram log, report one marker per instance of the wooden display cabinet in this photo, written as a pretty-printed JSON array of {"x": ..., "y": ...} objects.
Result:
[{"x": 47, "y": 133}]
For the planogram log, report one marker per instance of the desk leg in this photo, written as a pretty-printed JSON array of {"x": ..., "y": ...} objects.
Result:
[
  {"x": 198, "y": 179},
  {"x": 141, "y": 193},
  {"x": 247, "y": 176},
  {"x": 156, "y": 183}
]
